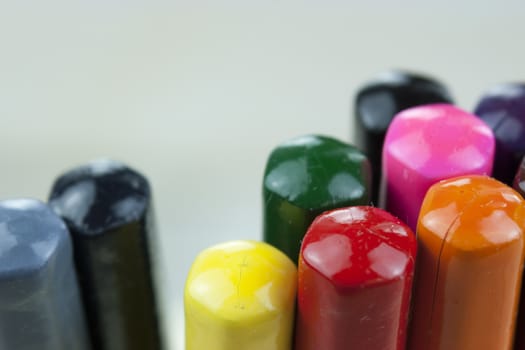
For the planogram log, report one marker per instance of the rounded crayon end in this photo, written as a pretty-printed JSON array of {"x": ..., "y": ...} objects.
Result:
[
  {"x": 240, "y": 294},
  {"x": 378, "y": 101},
  {"x": 503, "y": 109},
  {"x": 427, "y": 144},
  {"x": 304, "y": 177},
  {"x": 355, "y": 276},
  {"x": 99, "y": 196},
  {"x": 31, "y": 236},
  {"x": 472, "y": 213}
]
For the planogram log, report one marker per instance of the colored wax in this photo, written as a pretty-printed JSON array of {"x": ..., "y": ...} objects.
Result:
[
  {"x": 304, "y": 177},
  {"x": 378, "y": 101},
  {"x": 240, "y": 295},
  {"x": 108, "y": 209},
  {"x": 470, "y": 261},
  {"x": 40, "y": 303},
  {"x": 427, "y": 144},
  {"x": 503, "y": 109},
  {"x": 355, "y": 277}
]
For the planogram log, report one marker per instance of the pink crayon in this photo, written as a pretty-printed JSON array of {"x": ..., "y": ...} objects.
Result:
[{"x": 426, "y": 144}]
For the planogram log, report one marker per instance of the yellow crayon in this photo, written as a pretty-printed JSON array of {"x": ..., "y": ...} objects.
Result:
[{"x": 240, "y": 295}]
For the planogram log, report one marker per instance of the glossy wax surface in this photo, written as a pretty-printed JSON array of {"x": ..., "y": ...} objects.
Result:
[
  {"x": 40, "y": 304},
  {"x": 503, "y": 109},
  {"x": 355, "y": 278},
  {"x": 304, "y": 177},
  {"x": 240, "y": 295},
  {"x": 470, "y": 262},
  {"x": 379, "y": 100},
  {"x": 107, "y": 207},
  {"x": 427, "y": 144}
]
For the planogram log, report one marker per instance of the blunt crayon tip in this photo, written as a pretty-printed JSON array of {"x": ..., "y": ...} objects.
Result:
[
  {"x": 314, "y": 171},
  {"x": 503, "y": 108},
  {"x": 347, "y": 258},
  {"x": 240, "y": 294},
  {"x": 99, "y": 196},
  {"x": 380, "y": 99},
  {"x": 30, "y": 234}
]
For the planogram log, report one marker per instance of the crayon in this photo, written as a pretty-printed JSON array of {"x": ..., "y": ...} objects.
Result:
[
  {"x": 304, "y": 177},
  {"x": 240, "y": 295},
  {"x": 108, "y": 209},
  {"x": 40, "y": 303},
  {"x": 503, "y": 109},
  {"x": 427, "y": 144},
  {"x": 355, "y": 278},
  {"x": 378, "y": 101},
  {"x": 470, "y": 262}
]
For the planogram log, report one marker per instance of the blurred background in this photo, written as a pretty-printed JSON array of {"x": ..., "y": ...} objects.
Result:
[{"x": 195, "y": 94}]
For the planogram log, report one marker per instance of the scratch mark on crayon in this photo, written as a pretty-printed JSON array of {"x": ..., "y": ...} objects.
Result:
[{"x": 242, "y": 265}]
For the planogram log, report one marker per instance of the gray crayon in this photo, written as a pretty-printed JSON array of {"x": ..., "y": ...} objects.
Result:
[{"x": 40, "y": 304}]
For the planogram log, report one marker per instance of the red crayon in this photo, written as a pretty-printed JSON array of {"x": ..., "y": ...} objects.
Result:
[{"x": 356, "y": 268}]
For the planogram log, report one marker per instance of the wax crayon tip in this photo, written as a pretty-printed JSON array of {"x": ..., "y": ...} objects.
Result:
[
  {"x": 503, "y": 109},
  {"x": 240, "y": 295},
  {"x": 304, "y": 177}
]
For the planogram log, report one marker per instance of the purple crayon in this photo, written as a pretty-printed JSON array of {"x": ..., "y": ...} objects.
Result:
[{"x": 503, "y": 109}]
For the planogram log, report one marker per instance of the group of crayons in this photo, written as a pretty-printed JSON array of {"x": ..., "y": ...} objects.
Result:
[{"x": 402, "y": 241}]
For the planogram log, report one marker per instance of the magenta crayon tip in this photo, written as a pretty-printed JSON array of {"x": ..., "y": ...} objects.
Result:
[{"x": 427, "y": 144}]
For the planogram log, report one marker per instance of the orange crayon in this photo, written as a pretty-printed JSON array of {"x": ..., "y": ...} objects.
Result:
[{"x": 470, "y": 260}]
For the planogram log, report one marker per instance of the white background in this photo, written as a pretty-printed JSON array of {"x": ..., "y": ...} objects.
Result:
[{"x": 195, "y": 94}]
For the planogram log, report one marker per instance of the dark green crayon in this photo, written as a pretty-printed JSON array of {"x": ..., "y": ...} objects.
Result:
[{"x": 303, "y": 178}]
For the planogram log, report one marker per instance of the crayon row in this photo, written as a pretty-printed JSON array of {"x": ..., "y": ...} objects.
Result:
[
  {"x": 77, "y": 273},
  {"x": 438, "y": 265}
]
